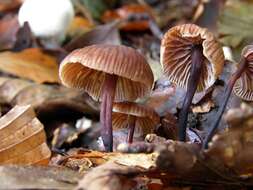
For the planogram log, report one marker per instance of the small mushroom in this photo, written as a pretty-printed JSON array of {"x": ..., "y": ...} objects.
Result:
[
  {"x": 242, "y": 84},
  {"x": 192, "y": 59},
  {"x": 109, "y": 73},
  {"x": 134, "y": 116}
]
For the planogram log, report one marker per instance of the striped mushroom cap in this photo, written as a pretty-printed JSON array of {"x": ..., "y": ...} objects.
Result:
[
  {"x": 243, "y": 87},
  {"x": 146, "y": 117},
  {"x": 86, "y": 68},
  {"x": 176, "y": 55}
]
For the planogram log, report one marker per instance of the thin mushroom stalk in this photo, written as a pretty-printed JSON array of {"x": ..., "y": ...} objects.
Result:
[
  {"x": 108, "y": 93},
  {"x": 195, "y": 73},
  {"x": 242, "y": 66},
  {"x": 131, "y": 127}
]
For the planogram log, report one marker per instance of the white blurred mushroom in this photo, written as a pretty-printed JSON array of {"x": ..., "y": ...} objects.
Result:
[{"x": 48, "y": 19}]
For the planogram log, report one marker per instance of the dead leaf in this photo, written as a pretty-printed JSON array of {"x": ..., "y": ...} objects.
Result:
[
  {"x": 227, "y": 162},
  {"x": 234, "y": 147},
  {"x": 158, "y": 99},
  {"x": 8, "y": 29},
  {"x": 106, "y": 34},
  {"x": 80, "y": 165},
  {"x": 7, "y": 5},
  {"x": 79, "y": 26},
  {"x": 10, "y": 88},
  {"x": 31, "y": 177},
  {"x": 52, "y": 103},
  {"x": 23, "y": 139},
  {"x": 125, "y": 12},
  {"x": 32, "y": 64},
  {"x": 24, "y": 38},
  {"x": 204, "y": 107},
  {"x": 111, "y": 176}
]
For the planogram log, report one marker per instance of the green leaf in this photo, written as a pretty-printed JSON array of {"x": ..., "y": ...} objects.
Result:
[{"x": 235, "y": 24}]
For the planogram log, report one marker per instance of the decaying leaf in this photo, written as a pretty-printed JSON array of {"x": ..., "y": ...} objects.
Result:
[
  {"x": 23, "y": 139},
  {"x": 234, "y": 147},
  {"x": 204, "y": 107},
  {"x": 111, "y": 176},
  {"x": 158, "y": 99},
  {"x": 127, "y": 11},
  {"x": 10, "y": 88},
  {"x": 227, "y": 161},
  {"x": 24, "y": 38},
  {"x": 7, "y": 5},
  {"x": 106, "y": 34},
  {"x": 8, "y": 28},
  {"x": 31, "y": 64},
  {"x": 144, "y": 161},
  {"x": 79, "y": 26},
  {"x": 31, "y": 177},
  {"x": 51, "y": 102}
]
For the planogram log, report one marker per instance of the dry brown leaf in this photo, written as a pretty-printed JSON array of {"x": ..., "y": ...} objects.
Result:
[
  {"x": 235, "y": 146},
  {"x": 227, "y": 162},
  {"x": 10, "y": 88},
  {"x": 6, "y": 5},
  {"x": 52, "y": 103},
  {"x": 34, "y": 177},
  {"x": 144, "y": 161},
  {"x": 111, "y": 176},
  {"x": 8, "y": 29},
  {"x": 23, "y": 139},
  {"x": 102, "y": 34},
  {"x": 204, "y": 107},
  {"x": 31, "y": 64},
  {"x": 49, "y": 99},
  {"x": 79, "y": 26},
  {"x": 125, "y": 12}
]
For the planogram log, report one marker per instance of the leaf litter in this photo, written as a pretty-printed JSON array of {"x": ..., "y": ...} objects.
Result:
[{"x": 51, "y": 133}]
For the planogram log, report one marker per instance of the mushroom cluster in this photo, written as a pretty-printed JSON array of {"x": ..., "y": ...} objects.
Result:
[{"x": 117, "y": 75}]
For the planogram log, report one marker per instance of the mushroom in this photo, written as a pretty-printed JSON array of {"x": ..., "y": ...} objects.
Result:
[
  {"x": 242, "y": 84},
  {"x": 134, "y": 116},
  {"x": 192, "y": 59},
  {"x": 48, "y": 19},
  {"x": 109, "y": 73}
]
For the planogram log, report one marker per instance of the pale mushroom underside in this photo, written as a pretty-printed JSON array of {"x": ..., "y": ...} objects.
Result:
[{"x": 176, "y": 55}]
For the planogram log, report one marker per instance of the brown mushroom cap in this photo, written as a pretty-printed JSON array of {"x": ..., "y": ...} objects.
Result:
[
  {"x": 176, "y": 55},
  {"x": 86, "y": 68},
  {"x": 146, "y": 117},
  {"x": 243, "y": 87}
]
